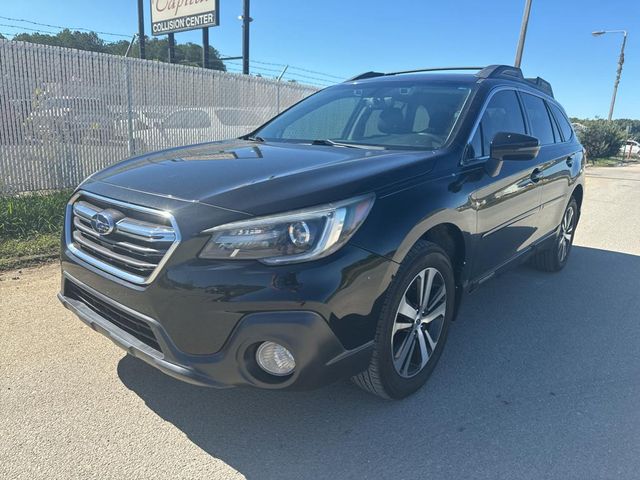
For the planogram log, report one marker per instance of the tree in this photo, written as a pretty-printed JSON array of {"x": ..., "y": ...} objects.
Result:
[
  {"x": 2, "y": 37},
  {"x": 629, "y": 125},
  {"x": 601, "y": 138},
  {"x": 156, "y": 48},
  {"x": 66, "y": 38}
]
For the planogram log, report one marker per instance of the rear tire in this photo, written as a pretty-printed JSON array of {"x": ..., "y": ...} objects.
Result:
[
  {"x": 413, "y": 326},
  {"x": 554, "y": 258}
]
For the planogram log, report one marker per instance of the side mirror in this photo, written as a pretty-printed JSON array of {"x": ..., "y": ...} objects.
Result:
[{"x": 510, "y": 146}]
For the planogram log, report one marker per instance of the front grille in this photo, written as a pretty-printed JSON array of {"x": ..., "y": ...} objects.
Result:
[
  {"x": 121, "y": 319},
  {"x": 140, "y": 239}
]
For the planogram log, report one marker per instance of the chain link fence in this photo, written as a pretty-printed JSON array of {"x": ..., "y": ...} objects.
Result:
[{"x": 66, "y": 113}]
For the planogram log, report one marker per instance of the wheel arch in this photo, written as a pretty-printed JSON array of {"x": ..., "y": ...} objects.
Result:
[
  {"x": 578, "y": 194},
  {"x": 449, "y": 237}
]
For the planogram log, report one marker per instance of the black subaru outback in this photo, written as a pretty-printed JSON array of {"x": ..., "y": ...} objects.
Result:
[{"x": 334, "y": 241}]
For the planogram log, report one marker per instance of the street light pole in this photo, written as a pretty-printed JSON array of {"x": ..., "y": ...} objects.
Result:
[
  {"x": 620, "y": 63},
  {"x": 246, "y": 21},
  {"x": 523, "y": 33}
]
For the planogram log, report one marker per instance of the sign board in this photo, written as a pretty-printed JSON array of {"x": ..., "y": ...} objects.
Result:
[{"x": 168, "y": 16}]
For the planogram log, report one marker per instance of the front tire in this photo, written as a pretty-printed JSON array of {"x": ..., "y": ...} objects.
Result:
[{"x": 413, "y": 326}]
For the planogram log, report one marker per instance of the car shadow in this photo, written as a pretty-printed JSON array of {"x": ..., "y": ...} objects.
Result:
[{"x": 540, "y": 371}]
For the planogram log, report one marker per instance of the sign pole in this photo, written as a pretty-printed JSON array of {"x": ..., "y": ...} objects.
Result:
[
  {"x": 141, "y": 29},
  {"x": 205, "y": 47},
  {"x": 172, "y": 48}
]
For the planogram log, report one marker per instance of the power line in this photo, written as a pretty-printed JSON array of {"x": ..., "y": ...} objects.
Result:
[
  {"x": 302, "y": 70},
  {"x": 294, "y": 76},
  {"x": 293, "y": 67},
  {"x": 25, "y": 28},
  {"x": 62, "y": 28}
]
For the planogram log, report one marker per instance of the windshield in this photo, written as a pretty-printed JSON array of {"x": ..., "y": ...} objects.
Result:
[{"x": 415, "y": 115}]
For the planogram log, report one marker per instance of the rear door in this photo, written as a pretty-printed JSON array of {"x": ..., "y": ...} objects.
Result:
[
  {"x": 507, "y": 205},
  {"x": 560, "y": 158}
]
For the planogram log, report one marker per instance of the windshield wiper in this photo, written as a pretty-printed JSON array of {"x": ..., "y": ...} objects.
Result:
[
  {"x": 331, "y": 143},
  {"x": 255, "y": 138}
]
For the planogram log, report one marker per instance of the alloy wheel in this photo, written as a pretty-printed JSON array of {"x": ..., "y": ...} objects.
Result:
[
  {"x": 566, "y": 234},
  {"x": 418, "y": 323}
]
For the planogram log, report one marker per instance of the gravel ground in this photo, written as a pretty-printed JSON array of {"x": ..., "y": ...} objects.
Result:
[{"x": 540, "y": 379}]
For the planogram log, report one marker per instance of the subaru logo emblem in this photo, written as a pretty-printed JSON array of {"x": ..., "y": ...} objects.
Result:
[{"x": 103, "y": 223}]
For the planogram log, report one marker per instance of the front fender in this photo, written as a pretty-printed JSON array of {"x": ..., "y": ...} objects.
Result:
[{"x": 398, "y": 220}]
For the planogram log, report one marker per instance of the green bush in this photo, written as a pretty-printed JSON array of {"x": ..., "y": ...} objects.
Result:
[
  {"x": 601, "y": 139},
  {"x": 26, "y": 216}
]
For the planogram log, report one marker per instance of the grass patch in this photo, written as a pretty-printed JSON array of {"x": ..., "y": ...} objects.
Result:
[
  {"x": 18, "y": 252},
  {"x": 30, "y": 227},
  {"x": 614, "y": 161},
  {"x": 606, "y": 162}
]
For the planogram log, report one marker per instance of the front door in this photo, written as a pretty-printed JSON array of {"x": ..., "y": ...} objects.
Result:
[{"x": 507, "y": 205}]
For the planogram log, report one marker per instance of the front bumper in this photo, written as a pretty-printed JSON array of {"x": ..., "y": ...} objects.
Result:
[
  {"x": 320, "y": 357},
  {"x": 208, "y": 318}
]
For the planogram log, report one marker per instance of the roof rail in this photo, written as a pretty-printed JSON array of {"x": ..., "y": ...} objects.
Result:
[
  {"x": 541, "y": 84},
  {"x": 491, "y": 71},
  {"x": 507, "y": 71},
  {"x": 433, "y": 69},
  {"x": 364, "y": 75}
]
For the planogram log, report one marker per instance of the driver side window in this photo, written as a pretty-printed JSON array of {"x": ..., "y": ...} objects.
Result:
[{"x": 503, "y": 114}]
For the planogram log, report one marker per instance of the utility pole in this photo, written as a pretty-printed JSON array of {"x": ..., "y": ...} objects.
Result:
[
  {"x": 618, "y": 75},
  {"x": 246, "y": 20},
  {"x": 172, "y": 48},
  {"x": 141, "y": 29},
  {"x": 598, "y": 33},
  {"x": 205, "y": 47},
  {"x": 523, "y": 32}
]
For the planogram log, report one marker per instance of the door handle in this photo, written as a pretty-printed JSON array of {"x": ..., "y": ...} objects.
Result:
[
  {"x": 536, "y": 175},
  {"x": 570, "y": 160}
]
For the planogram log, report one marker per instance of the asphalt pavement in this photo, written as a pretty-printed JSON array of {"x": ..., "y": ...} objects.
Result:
[{"x": 540, "y": 380}]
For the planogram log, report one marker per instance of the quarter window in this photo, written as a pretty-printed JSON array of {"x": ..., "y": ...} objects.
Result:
[
  {"x": 538, "y": 118},
  {"x": 503, "y": 114},
  {"x": 554, "y": 126},
  {"x": 565, "y": 126}
]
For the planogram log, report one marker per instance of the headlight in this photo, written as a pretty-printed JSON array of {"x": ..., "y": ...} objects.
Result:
[{"x": 290, "y": 237}]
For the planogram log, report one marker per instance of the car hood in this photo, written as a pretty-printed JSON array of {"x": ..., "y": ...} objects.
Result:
[{"x": 260, "y": 178}]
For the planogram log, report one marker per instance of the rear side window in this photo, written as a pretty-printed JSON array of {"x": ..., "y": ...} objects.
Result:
[
  {"x": 538, "y": 118},
  {"x": 563, "y": 123},
  {"x": 503, "y": 114}
]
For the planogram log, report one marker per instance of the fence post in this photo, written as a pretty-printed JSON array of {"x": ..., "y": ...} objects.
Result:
[{"x": 127, "y": 77}]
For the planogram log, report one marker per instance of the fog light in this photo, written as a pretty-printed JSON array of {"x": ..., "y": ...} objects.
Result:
[{"x": 275, "y": 359}]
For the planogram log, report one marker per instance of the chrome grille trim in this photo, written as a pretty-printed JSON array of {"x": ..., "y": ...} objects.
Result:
[
  {"x": 84, "y": 210},
  {"x": 145, "y": 231},
  {"x": 124, "y": 245},
  {"x": 111, "y": 255},
  {"x": 78, "y": 238}
]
